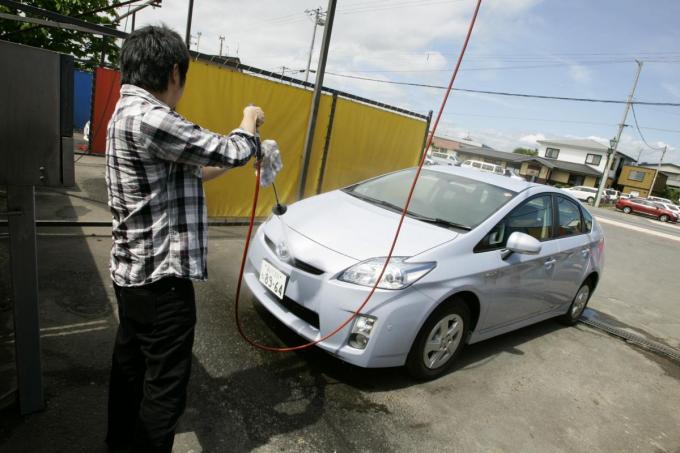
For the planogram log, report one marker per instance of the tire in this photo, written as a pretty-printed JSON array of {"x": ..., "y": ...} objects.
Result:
[
  {"x": 663, "y": 218},
  {"x": 577, "y": 306},
  {"x": 590, "y": 200},
  {"x": 627, "y": 210},
  {"x": 447, "y": 345}
]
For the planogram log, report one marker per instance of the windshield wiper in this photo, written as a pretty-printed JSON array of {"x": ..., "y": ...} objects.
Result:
[
  {"x": 372, "y": 200},
  {"x": 438, "y": 221}
]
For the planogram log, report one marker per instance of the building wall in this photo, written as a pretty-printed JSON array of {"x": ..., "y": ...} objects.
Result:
[
  {"x": 590, "y": 181},
  {"x": 576, "y": 155},
  {"x": 560, "y": 176},
  {"x": 644, "y": 185},
  {"x": 640, "y": 192},
  {"x": 673, "y": 180}
]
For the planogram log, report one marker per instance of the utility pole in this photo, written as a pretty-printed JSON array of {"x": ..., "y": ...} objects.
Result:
[
  {"x": 187, "y": 36},
  {"x": 658, "y": 169},
  {"x": 316, "y": 97},
  {"x": 611, "y": 153},
  {"x": 318, "y": 20},
  {"x": 221, "y": 42}
]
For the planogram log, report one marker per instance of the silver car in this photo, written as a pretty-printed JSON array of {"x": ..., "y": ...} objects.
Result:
[{"x": 479, "y": 255}]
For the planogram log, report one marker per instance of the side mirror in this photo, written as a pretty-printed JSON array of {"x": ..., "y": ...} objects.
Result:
[{"x": 521, "y": 243}]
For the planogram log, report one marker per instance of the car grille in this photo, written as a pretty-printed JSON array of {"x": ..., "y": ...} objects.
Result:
[
  {"x": 299, "y": 264},
  {"x": 307, "y": 315}
]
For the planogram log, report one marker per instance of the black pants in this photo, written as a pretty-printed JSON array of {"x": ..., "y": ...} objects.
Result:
[{"x": 151, "y": 364}]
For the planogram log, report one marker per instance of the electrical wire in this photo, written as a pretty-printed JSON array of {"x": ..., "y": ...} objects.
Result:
[
  {"x": 396, "y": 235},
  {"x": 637, "y": 126},
  {"x": 506, "y": 93}
]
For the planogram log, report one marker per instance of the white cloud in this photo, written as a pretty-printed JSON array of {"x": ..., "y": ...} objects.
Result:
[
  {"x": 532, "y": 139},
  {"x": 367, "y": 36},
  {"x": 672, "y": 89},
  {"x": 579, "y": 73}
]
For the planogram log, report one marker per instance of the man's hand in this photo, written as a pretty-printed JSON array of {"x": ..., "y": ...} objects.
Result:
[{"x": 253, "y": 117}]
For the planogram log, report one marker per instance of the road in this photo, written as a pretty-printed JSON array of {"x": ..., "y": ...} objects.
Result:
[
  {"x": 542, "y": 388},
  {"x": 641, "y": 285}
]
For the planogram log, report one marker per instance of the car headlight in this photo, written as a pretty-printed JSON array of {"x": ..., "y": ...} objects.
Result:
[{"x": 398, "y": 274}]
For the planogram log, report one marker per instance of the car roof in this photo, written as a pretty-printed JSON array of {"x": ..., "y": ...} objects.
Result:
[{"x": 504, "y": 182}]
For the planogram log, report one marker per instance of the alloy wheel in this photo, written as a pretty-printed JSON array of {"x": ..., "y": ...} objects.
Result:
[
  {"x": 442, "y": 341},
  {"x": 580, "y": 301}
]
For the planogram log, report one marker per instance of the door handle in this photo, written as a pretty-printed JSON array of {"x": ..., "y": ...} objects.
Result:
[{"x": 549, "y": 262}]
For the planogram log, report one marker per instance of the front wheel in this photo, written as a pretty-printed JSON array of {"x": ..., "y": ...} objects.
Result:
[
  {"x": 439, "y": 341},
  {"x": 577, "y": 306},
  {"x": 590, "y": 200},
  {"x": 626, "y": 210},
  {"x": 663, "y": 218}
]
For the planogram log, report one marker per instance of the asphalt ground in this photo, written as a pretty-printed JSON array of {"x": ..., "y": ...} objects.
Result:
[{"x": 542, "y": 388}]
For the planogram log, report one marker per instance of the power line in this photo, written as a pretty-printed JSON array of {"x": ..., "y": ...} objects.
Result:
[
  {"x": 640, "y": 132},
  {"x": 506, "y": 93}
]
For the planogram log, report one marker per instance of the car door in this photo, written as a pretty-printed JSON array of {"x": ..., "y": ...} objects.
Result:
[
  {"x": 647, "y": 208},
  {"x": 519, "y": 286},
  {"x": 571, "y": 262}
]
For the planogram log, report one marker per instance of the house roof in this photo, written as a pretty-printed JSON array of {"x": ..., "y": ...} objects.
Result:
[
  {"x": 492, "y": 153},
  {"x": 585, "y": 143},
  {"x": 580, "y": 169},
  {"x": 675, "y": 170}
]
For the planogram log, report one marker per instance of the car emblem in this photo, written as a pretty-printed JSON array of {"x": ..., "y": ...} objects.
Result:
[{"x": 282, "y": 251}]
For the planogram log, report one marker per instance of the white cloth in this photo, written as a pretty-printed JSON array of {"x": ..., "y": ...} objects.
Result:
[{"x": 271, "y": 162}]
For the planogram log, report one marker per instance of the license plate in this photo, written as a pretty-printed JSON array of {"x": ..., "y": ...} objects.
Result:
[{"x": 273, "y": 279}]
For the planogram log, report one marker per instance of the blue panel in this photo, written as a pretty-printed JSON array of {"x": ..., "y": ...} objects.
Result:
[{"x": 82, "y": 98}]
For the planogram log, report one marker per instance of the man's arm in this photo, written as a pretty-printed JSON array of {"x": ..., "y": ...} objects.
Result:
[
  {"x": 212, "y": 173},
  {"x": 171, "y": 137}
]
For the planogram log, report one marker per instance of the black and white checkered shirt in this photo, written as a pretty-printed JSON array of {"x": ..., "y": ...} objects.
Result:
[{"x": 154, "y": 178}]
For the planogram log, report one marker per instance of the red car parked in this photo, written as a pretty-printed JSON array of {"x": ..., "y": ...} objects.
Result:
[{"x": 646, "y": 207}]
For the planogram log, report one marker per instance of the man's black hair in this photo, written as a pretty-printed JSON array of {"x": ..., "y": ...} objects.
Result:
[{"x": 148, "y": 56}]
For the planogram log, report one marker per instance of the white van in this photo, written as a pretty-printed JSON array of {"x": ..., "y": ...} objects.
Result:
[
  {"x": 443, "y": 158},
  {"x": 484, "y": 166}
]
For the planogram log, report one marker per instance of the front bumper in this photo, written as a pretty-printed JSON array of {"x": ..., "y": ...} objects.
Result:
[{"x": 399, "y": 313}]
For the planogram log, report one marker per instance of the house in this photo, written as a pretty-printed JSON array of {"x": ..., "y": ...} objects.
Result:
[
  {"x": 585, "y": 158},
  {"x": 672, "y": 172},
  {"x": 492, "y": 156},
  {"x": 637, "y": 180}
]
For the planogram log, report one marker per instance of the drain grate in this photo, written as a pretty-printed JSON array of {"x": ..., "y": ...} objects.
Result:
[{"x": 637, "y": 340}]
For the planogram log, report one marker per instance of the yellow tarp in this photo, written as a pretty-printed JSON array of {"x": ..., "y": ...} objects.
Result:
[
  {"x": 365, "y": 141},
  {"x": 368, "y": 141}
]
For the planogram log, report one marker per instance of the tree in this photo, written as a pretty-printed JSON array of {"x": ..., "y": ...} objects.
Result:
[
  {"x": 85, "y": 47},
  {"x": 526, "y": 151}
]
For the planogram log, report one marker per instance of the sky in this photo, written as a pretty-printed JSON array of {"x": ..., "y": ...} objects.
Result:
[{"x": 574, "y": 48}]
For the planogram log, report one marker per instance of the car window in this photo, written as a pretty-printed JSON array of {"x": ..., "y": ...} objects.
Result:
[
  {"x": 437, "y": 196},
  {"x": 568, "y": 218},
  {"x": 476, "y": 164},
  {"x": 587, "y": 222},
  {"x": 533, "y": 217}
]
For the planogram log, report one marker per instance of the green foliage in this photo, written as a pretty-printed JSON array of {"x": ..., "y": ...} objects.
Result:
[
  {"x": 671, "y": 193},
  {"x": 85, "y": 47},
  {"x": 526, "y": 151}
]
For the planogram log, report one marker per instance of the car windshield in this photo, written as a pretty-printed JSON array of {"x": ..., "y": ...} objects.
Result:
[{"x": 441, "y": 198}]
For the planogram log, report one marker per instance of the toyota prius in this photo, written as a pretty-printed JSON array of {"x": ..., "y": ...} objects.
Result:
[{"x": 478, "y": 255}]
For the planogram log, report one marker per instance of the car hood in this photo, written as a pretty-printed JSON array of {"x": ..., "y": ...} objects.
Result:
[{"x": 360, "y": 230}]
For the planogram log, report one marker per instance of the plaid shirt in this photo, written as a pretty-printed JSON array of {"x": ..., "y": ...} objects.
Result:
[{"x": 154, "y": 178}]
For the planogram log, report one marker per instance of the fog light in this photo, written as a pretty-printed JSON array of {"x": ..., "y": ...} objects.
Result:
[{"x": 361, "y": 331}]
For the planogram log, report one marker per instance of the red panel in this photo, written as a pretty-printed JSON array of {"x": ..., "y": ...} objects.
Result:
[{"x": 106, "y": 94}]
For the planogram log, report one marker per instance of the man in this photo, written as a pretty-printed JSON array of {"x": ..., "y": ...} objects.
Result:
[{"x": 156, "y": 162}]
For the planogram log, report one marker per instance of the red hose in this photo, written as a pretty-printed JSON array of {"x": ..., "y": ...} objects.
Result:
[{"x": 396, "y": 235}]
